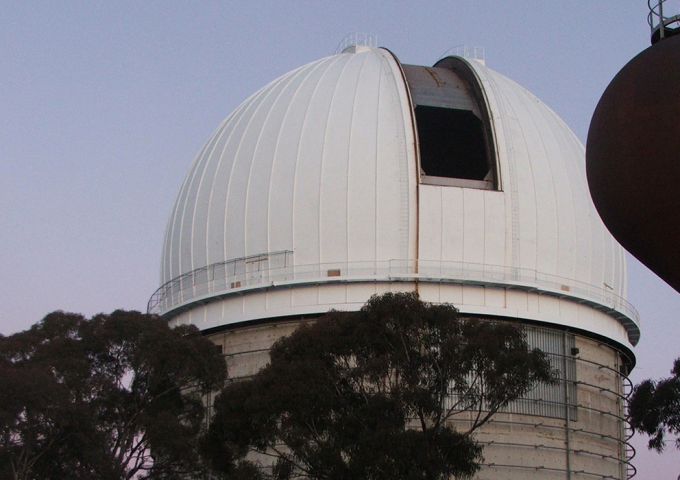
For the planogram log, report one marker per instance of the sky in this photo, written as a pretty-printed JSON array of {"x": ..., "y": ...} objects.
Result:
[{"x": 105, "y": 104}]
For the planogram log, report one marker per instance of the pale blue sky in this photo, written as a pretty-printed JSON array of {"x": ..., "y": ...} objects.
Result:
[{"x": 104, "y": 105}]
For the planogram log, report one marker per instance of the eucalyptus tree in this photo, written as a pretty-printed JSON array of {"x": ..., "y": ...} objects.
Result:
[
  {"x": 115, "y": 397},
  {"x": 373, "y": 395},
  {"x": 654, "y": 409}
]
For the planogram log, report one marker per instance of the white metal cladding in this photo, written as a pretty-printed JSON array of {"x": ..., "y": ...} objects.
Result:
[
  {"x": 322, "y": 164},
  {"x": 543, "y": 219}
]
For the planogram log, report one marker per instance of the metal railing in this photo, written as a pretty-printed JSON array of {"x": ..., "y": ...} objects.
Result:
[
  {"x": 276, "y": 269},
  {"x": 623, "y": 460},
  {"x": 465, "y": 51},
  {"x": 628, "y": 431},
  {"x": 357, "y": 39},
  {"x": 659, "y": 21}
]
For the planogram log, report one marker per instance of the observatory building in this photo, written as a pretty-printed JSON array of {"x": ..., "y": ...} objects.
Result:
[{"x": 357, "y": 174}]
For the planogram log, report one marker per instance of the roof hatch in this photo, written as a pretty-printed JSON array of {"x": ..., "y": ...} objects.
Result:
[{"x": 453, "y": 128}]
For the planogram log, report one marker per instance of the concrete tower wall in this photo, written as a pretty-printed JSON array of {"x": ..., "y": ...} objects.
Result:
[{"x": 536, "y": 441}]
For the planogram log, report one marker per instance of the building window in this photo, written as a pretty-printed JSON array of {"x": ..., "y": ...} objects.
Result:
[
  {"x": 554, "y": 400},
  {"x": 551, "y": 400}
]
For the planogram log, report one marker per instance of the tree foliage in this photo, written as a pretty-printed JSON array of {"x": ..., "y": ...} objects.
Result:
[
  {"x": 372, "y": 394},
  {"x": 654, "y": 409},
  {"x": 115, "y": 397}
]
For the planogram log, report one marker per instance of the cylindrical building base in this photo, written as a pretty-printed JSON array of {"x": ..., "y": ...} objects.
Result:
[{"x": 572, "y": 430}]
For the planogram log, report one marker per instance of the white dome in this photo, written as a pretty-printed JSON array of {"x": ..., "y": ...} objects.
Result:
[
  {"x": 313, "y": 193},
  {"x": 315, "y": 163}
]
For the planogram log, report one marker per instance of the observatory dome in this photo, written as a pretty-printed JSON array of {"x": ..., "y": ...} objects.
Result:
[{"x": 355, "y": 174}]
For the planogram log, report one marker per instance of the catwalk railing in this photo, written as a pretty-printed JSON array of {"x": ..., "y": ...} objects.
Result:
[
  {"x": 276, "y": 270},
  {"x": 663, "y": 19}
]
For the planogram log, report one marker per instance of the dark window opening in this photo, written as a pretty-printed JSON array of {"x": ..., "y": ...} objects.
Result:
[{"x": 452, "y": 143}]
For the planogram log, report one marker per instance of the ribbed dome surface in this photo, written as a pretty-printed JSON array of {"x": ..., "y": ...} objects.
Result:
[
  {"x": 548, "y": 223},
  {"x": 317, "y": 162},
  {"x": 320, "y": 170}
]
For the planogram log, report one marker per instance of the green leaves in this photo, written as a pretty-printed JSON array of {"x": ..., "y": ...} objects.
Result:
[
  {"x": 654, "y": 409},
  {"x": 368, "y": 395},
  {"x": 119, "y": 397}
]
